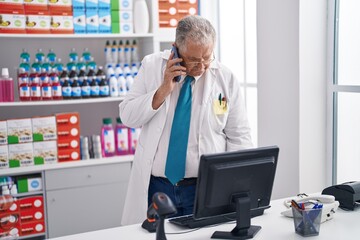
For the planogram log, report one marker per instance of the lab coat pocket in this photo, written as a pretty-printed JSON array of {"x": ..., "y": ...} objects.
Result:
[{"x": 218, "y": 116}]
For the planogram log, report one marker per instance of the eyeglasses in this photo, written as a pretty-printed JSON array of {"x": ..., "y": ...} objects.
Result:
[{"x": 194, "y": 63}]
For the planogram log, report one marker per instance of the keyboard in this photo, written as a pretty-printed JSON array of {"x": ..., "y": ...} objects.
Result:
[{"x": 190, "y": 222}]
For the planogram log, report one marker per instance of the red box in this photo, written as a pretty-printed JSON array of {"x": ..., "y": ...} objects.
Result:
[
  {"x": 37, "y": 22},
  {"x": 68, "y": 143},
  {"x": 62, "y": 22},
  {"x": 31, "y": 215},
  {"x": 68, "y": 131},
  {"x": 12, "y": 21},
  {"x": 69, "y": 154},
  {"x": 36, "y": 5},
  {"x": 13, "y": 209},
  {"x": 32, "y": 228},
  {"x": 9, "y": 224},
  {"x": 72, "y": 118},
  {"x": 31, "y": 203}
]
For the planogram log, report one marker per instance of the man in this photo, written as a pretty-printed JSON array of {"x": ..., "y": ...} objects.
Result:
[{"x": 202, "y": 113}]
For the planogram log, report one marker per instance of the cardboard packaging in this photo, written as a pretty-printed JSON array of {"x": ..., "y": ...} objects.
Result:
[
  {"x": 78, "y": 5},
  {"x": 12, "y": 21},
  {"x": 21, "y": 155},
  {"x": 12, "y": 4},
  {"x": 72, "y": 118},
  {"x": 31, "y": 215},
  {"x": 29, "y": 184},
  {"x": 79, "y": 19},
  {"x": 69, "y": 154},
  {"x": 3, "y": 133},
  {"x": 60, "y": 6},
  {"x": 33, "y": 202},
  {"x": 91, "y": 5},
  {"x": 19, "y": 130},
  {"x": 104, "y": 5},
  {"x": 32, "y": 228},
  {"x": 10, "y": 226},
  {"x": 45, "y": 152},
  {"x": 36, "y": 5},
  {"x": 62, "y": 23},
  {"x": 14, "y": 208},
  {"x": 104, "y": 21},
  {"x": 92, "y": 21},
  {"x": 44, "y": 128},
  {"x": 68, "y": 143},
  {"x": 37, "y": 22},
  {"x": 121, "y": 4},
  {"x": 4, "y": 157}
]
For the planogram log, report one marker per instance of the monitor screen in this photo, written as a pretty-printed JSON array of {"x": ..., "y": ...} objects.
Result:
[{"x": 238, "y": 182}]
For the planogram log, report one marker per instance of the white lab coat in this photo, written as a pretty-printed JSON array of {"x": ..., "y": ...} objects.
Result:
[{"x": 218, "y": 132}]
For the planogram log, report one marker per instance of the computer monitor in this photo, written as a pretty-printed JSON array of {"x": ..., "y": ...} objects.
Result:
[{"x": 238, "y": 182}]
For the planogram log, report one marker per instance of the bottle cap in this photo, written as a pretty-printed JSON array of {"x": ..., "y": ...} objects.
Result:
[
  {"x": 118, "y": 120},
  {"x": 5, "y": 72},
  {"x": 107, "y": 121}
]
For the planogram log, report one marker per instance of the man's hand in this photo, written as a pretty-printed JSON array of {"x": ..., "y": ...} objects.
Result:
[{"x": 171, "y": 71}]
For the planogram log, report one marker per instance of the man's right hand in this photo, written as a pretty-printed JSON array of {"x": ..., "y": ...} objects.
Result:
[{"x": 171, "y": 71}]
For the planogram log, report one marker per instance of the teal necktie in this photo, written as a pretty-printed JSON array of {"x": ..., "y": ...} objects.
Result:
[{"x": 176, "y": 158}]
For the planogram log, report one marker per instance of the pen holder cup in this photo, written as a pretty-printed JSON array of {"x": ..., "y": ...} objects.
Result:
[{"x": 307, "y": 221}]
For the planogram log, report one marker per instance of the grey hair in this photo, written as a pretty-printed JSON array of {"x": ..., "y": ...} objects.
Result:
[{"x": 196, "y": 29}]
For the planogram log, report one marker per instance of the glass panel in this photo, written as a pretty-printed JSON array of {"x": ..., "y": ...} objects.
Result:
[
  {"x": 348, "y": 45},
  {"x": 251, "y": 108},
  {"x": 348, "y": 153}
]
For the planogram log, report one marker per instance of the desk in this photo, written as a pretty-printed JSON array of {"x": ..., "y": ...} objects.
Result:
[{"x": 344, "y": 226}]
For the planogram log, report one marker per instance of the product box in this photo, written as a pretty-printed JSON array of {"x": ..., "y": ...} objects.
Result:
[
  {"x": 121, "y": 16},
  {"x": 78, "y": 5},
  {"x": 104, "y": 21},
  {"x": 31, "y": 215},
  {"x": 62, "y": 23},
  {"x": 44, "y": 128},
  {"x": 79, "y": 19},
  {"x": 36, "y": 5},
  {"x": 68, "y": 143},
  {"x": 104, "y": 5},
  {"x": 3, "y": 133},
  {"x": 60, "y": 6},
  {"x": 4, "y": 156},
  {"x": 19, "y": 130},
  {"x": 45, "y": 152},
  {"x": 92, "y": 21},
  {"x": 32, "y": 228},
  {"x": 33, "y": 202},
  {"x": 12, "y": 4},
  {"x": 126, "y": 28},
  {"x": 13, "y": 209},
  {"x": 68, "y": 131},
  {"x": 21, "y": 155},
  {"x": 121, "y": 4},
  {"x": 12, "y": 21},
  {"x": 91, "y": 5},
  {"x": 37, "y": 22},
  {"x": 10, "y": 226},
  {"x": 69, "y": 154},
  {"x": 26, "y": 184},
  {"x": 72, "y": 118}
]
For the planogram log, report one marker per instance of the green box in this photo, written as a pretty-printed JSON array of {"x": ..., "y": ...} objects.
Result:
[
  {"x": 115, "y": 27},
  {"x": 22, "y": 185},
  {"x": 115, "y": 4},
  {"x": 115, "y": 16}
]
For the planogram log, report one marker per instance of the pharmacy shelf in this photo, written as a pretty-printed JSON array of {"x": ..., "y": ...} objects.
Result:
[
  {"x": 27, "y": 194},
  {"x": 53, "y": 36},
  {"x": 31, "y": 236},
  {"x": 62, "y": 102},
  {"x": 69, "y": 164}
]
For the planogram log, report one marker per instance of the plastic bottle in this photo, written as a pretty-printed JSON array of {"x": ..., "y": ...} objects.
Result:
[
  {"x": 85, "y": 88},
  {"x": 73, "y": 75},
  {"x": 104, "y": 90},
  {"x": 56, "y": 89},
  {"x": 35, "y": 90},
  {"x": 86, "y": 55},
  {"x": 100, "y": 74},
  {"x": 2, "y": 90},
  {"x": 122, "y": 85},
  {"x": 129, "y": 81},
  {"x": 71, "y": 65},
  {"x": 127, "y": 52},
  {"x": 107, "y": 138},
  {"x": 118, "y": 70},
  {"x": 134, "y": 69},
  {"x": 91, "y": 75},
  {"x": 63, "y": 77},
  {"x": 24, "y": 89},
  {"x": 121, "y": 53},
  {"x": 141, "y": 17},
  {"x": 107, "y": 51},
  {"x": 43, "y": 75},
  {"x": 46, "y": 93},
  {"x": 51, "y": 57},
  {"x": 8, "y": 86},
  {"x": 113, "y": 85},
  {"x": 40, "y": 56},
  {"x": 6, "y": 201},
  {"x": 46, "y": 65},
  {"x": 114, "y": 53},
  {"x": 25, "y": 55},
  {"x": 36, "y": 65},
  {"x": 134, "y": 52},
  {"x": 133, "y": 139},
  {"x": 81, "y": 64},
  {"x": 91, "y": 63},
  {"x": 24, "y": 64},
  {"x": 52, "y": 75},
  {"x": 94, "y": 88},
  {"x": 75, "y": 89},
  {"x": 122, "y": 136},
  {"x": 73, "y": 56},
  {"x": 109, "y": 71},
  {"x": 66, "y": 89},
  {"x": 59, "y": 65}
]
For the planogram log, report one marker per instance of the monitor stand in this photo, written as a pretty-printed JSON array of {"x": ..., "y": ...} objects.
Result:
[{"x": 243, "y": 229}]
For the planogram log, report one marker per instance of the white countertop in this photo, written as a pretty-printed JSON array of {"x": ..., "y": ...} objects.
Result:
[{"x": 344, "y": 226}]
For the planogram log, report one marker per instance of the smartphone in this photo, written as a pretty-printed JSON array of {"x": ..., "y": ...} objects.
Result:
[{"x": 176, "y": 55}]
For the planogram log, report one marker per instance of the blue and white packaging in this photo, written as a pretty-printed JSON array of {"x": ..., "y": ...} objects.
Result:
[
  {"x": 92, "y": 21},
  {"x": 91, "y": 5},
  {"x": 126, "y": 16},
  {"x": 126, "y": 4},
  {"x": 104, "y": 21},
  {"x": 79, "y": 22},
  {"x": 79, "y": 5},
  {"x": 126, "y": 28},
  {"x": 104, "y": 5}
]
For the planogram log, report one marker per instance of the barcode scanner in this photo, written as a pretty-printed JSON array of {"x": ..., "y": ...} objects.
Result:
[{"x": 160, "y": 208}]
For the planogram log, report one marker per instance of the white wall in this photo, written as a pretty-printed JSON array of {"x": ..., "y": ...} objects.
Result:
[{"x": 292, "y": 91}]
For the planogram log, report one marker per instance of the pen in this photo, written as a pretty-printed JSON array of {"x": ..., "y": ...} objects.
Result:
[{"x": 220, "y": 98}]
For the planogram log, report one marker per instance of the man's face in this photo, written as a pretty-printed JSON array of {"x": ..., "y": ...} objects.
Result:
[{"x": 196, "y": 57}]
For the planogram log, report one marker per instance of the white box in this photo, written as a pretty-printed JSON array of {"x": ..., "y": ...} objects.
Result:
[
  {"x": 3, "y": 133},
  {"x": 126, "y": 28},
  {"x": 45, "y": 152},
  {"x": 126, "y": 4},
  {"x": 44, "y": 128},
  {"x": 19, "y": 130},
  {"x": 125, "y": 16},
  {"x": 4, "y": 157},
  {"x": 21, "y": 155},
  {"x": 34, "y": 184}
]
